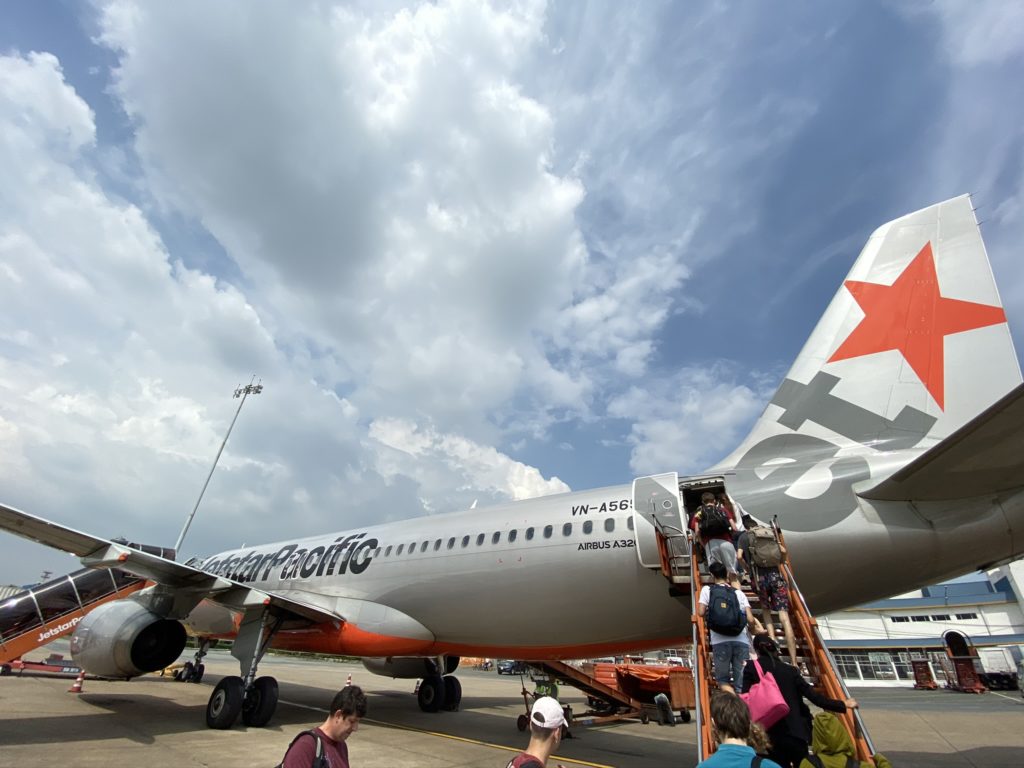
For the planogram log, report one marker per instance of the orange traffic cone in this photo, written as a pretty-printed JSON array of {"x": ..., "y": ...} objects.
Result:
[
  {"x": 349, "y": 681},
  {"x": 76, "y": 687}
]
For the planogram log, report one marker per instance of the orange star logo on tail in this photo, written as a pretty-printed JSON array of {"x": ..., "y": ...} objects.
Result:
[{"x": 911, "y": 316}]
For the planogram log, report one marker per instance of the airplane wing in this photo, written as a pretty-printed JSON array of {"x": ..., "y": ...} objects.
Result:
[
  {"x": 101, "y": 553},
  {"x": 986, "y": 455}
]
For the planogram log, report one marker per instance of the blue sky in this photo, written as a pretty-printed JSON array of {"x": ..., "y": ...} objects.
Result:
[{"x": 476, "y": 251}]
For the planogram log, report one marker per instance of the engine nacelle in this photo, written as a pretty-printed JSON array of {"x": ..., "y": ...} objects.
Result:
[
  {"x": 125, "y": 639},
  {"x": 408, "y": 667}
]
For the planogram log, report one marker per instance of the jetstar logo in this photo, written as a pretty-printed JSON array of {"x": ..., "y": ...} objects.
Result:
[
  {"x": 347, "y": 554},
  {"x": 58, "y": 630},
  {"x": 913, "y": 318}
]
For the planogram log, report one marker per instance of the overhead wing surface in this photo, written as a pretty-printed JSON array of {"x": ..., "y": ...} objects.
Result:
[
  {"x": 101, "y": 553},
  {"x": 984, "y": 456}
]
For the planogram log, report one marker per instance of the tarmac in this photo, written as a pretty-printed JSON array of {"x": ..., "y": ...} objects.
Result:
[{"x": 154, "y": 721}]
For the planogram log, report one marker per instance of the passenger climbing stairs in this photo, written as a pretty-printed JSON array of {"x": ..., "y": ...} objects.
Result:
[{"x": 816, "y": 661}]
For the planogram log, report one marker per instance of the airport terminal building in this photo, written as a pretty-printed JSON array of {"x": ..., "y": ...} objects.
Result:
[{"x": 874, "y": 643}]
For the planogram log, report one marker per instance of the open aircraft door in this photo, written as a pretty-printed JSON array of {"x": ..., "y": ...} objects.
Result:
[{"x": 655, "y": 505}]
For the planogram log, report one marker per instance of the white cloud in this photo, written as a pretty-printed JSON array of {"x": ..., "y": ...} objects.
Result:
[{"x": 689, "y": 420}]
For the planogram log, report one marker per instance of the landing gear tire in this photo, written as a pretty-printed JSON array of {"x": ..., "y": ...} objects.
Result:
[
  {"x": 259, "y": 702},
  {"x": 225, "y": 703},
  {"x": 184, "y": 674},
  {"x": 197, "y": 673},
  {"x": 452, "y": 693},
  {"x": 431, "y": 693},
  {"x": 521, "y": 722},
  {"x": 645, "y": 718}
]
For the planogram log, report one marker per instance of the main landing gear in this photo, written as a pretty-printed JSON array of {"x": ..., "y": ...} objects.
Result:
[
  {"x": 439, "y": 692},
  {"x": 254, "y": 698}
]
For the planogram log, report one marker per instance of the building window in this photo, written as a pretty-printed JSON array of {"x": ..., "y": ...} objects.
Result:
[
  {"x": 588, "y": 526},
  {"x": 547, "y": 531},
  {"x": 967, "y": 616},
  {"x": 512, "y": 535},
  {"x": 567, "y": 529},
  {"x": 898, "y": 619},
  {"x": 920, "y": 618},
  {"x": 529, "y": 534},
  {"x": 940, "y": 617},
  {"x": 609, "y": 524}
]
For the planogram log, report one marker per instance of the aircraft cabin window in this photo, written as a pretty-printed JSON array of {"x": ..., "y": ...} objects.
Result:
[
  {"x": 629, "y": 522},
  {"x": 437, "y": 545},
  {"x": 387, "y": 552},
  {"x": 423, "y": 546},
  {"x": 512, "y": 535},
  {"x": 588, "y": 526},
  {"x": 400, "y": 550},
  {"x": 529, "y": 534},
  {"x": 376, "y": 552},
  {"x": 547, "y": 531},
  {"x": 567, "y": 529},
  {"x": 480, "y": 540},
  {"x": 609, "y": 524},
  {"x": 465, "y": 541},
  {"x": 451, "y": 542},
  {"x": 496, "y": 537}
]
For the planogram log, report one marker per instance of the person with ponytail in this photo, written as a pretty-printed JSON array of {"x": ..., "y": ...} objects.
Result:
[{"x": 792, "y": 734}]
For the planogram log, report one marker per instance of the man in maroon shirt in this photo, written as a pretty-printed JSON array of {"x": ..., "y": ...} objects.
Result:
[
  {"x": 546, "y": 722},
  {"x": 328, "y": 741}
]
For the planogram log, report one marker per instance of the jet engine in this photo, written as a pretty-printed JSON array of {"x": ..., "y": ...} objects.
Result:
[
  {"x": 125, "y": 639},
  {"x": 408, "y": 667}
]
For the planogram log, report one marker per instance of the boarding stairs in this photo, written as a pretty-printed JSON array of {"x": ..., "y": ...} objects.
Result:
[
  {"x": 608, "y": 702},
  {"x": 41, "y": 614},
  {"x": 815, "y": 660}
]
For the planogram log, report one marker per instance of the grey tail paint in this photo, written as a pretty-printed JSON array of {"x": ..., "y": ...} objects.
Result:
[{"x": 913, "y": 347}]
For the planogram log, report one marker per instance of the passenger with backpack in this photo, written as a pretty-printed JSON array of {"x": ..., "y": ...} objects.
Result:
[
  {"x": 325, "y": 747},
  {"x": 761, "y": 552},
  {"x": 726, "y": 612},
  {"x": 833, "y": 747},
  {"x": 711, "y": 524}
]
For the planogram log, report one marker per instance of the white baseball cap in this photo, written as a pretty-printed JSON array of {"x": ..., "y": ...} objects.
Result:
[{"x": 547, "y": 713}]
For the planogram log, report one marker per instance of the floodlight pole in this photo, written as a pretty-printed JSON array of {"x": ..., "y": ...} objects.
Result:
[{"x": 252, "y": 388}]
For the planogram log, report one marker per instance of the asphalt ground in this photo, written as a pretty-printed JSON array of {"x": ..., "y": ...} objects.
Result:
[{"x": 154, "y": 721}]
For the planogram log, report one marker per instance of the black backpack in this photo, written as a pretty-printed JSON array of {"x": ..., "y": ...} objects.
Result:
[
  {"x": 713, "y": 520},
  {"x": 319, "y": 761},
  {"x": 724, "y": 614}
]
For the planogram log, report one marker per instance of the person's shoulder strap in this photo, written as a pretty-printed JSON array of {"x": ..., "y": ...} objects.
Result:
[
  {"x": 318, "y": 759},
  {"x": 756, "y": 762},
  {"x": 815, "y": 761}
]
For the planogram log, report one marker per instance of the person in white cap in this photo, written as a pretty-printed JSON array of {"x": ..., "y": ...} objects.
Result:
[{"x": 546, "y": 721}]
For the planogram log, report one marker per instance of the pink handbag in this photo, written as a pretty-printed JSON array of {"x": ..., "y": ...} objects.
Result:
[{"x": 764, "y": 699}]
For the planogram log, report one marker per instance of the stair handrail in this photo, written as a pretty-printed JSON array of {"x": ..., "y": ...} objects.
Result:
[
  {"x": 828, "y": 672},
  {"x": 701, "y": 672}
]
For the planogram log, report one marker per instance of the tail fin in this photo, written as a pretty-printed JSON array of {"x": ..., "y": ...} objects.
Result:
[{"x": 914, "y": 345}]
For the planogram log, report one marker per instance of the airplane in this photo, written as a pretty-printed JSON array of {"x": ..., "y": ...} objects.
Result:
[{"x": 891, "y": 456}]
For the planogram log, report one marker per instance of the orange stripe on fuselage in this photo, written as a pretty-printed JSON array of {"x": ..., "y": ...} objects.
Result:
[{"x": 350, "y": 640}]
